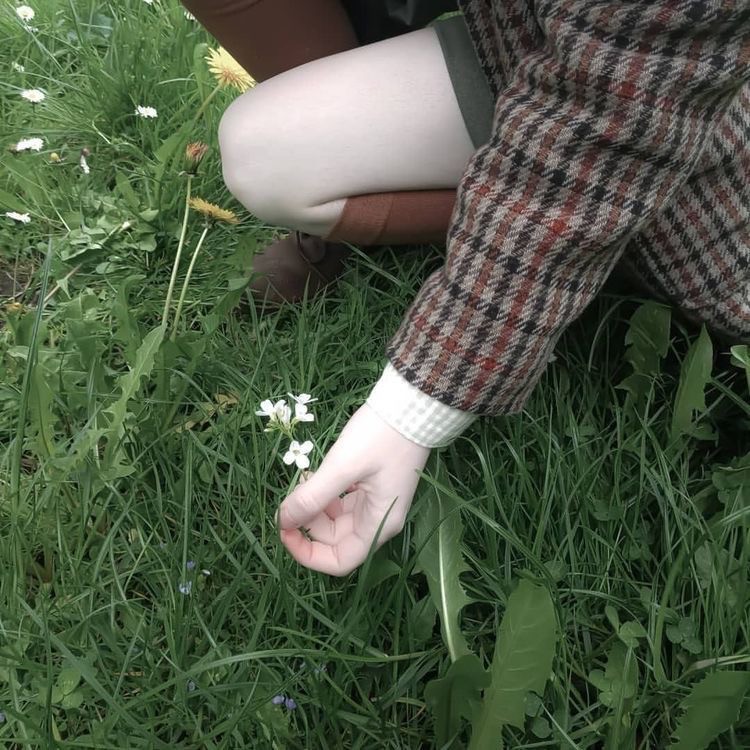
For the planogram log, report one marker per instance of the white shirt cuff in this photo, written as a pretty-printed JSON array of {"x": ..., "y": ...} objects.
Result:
[{"x": 420, "y": 418}]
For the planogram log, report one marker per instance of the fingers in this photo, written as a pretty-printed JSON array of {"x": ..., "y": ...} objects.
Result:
[
  {"x": 328, "y": 530},
  {"x": 338, "y": 559},
  {"x": 339, "y": 545},
  {"x": 318, "y": 492}
]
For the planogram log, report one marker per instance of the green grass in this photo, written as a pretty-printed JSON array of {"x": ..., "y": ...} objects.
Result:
[{"x": 620, "y": 518}]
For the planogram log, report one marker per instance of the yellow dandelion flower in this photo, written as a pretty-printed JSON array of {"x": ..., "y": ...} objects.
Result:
[
  {"x": 227, "y": 71},
  {"x": 212, "y": 211}
]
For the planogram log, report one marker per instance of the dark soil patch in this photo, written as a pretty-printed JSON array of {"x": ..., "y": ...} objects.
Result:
[{"x": 15, "y": 278}]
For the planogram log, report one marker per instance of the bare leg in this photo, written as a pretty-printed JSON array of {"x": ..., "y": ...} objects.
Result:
[{"x": 378, "y": 118}]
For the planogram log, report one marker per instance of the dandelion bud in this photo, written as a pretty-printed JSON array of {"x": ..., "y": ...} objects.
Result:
[
  {"x": 55, "y": 157},
  {"x": 194, "y": 153}
]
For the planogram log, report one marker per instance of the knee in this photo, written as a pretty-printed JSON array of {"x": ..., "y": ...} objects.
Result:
[{"x": 252, "y": 155}]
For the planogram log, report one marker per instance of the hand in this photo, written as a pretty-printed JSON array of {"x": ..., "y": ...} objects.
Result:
[{"x": 376, "y": 465}]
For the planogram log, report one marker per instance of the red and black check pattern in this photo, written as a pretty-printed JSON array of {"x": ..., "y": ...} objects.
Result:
[{"x": 620, "y": 132}]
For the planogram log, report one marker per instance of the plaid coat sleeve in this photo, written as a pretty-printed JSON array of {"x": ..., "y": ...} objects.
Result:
[{"x": 602, "y": 111}]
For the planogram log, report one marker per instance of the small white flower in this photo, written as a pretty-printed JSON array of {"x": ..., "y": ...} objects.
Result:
[
  {"x": 84, "y": 164},
  {"x": 298, "y": 454},
  {"x": 185, "y": 588},
  {"x": 29, "y": 144},
  {"x": 23, "y": 218},
  {"x": 146, "y": 111},
  {"x": 301, "y": 414},
  {"x": 278, "y": 412},
  {"x": 206, "y": 572},
  {"x": 33, "y": 95},
  {"x": 25, "y": 13},
  {"x": 126, "y": 225},
  {"x": 303, "y": 398},
  {"x": 18, "y": 67},
  {"x": 189, "y": 16}
]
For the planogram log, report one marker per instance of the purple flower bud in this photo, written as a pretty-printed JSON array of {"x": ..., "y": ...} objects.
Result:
[
  {"x": 290, "y": 703},
  {"x": 190, "y": 686},
  {"x": 190, "y": 564},
  {"x": 2, "y": 717},
  {"x": 277, "y": 700}
]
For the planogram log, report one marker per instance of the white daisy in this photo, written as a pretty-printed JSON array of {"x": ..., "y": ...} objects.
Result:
[
  {"x": 146, "y": 111},
  {"x": 23, "y": 218},
  {"x": 278, "y": 412},
  {"x": 189, "y": 16},
  {"x": 29, "y": 144},
  {"x": 303, "y": 398},
  {"x": 298, "y": 454},
  {"x": 33, "y": 95},
  {"x": 84, "y": 164},
  {"x": 25, "y": 13},
  {"x": 17, "y": 67},
  {"x": 301, "y": 414}
]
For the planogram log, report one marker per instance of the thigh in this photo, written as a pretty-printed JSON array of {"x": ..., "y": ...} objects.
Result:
[{"x": 379, "y": 118}]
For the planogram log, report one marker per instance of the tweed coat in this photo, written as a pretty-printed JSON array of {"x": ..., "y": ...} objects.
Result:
[{"x": 621, "y": 130}]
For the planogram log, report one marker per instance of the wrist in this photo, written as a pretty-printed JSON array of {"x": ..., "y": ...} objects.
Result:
[{"x": 418, "y": 417}]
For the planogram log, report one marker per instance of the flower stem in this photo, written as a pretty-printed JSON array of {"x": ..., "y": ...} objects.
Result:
[
  {"x": 205, "y": 104},
  {"x": 180, "y": 245},
  {"x": 187, "y": 280}
]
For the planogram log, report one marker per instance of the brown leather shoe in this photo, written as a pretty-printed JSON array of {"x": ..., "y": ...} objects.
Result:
[{"x": 285, "y": 267}]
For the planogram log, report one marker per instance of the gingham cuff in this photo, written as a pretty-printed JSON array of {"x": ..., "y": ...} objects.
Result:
[{"x": 420, "y": 418}]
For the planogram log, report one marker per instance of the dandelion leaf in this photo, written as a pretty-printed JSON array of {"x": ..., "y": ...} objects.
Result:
[
  {"x": 522, "y": 662},
  {"x": 456, "y": 696},
  {"x": 711, "y": 708},
  {"x": 438, "y": 532},
  {"x": 691, "y": 392},
  {"x": 647, "y": 340}
]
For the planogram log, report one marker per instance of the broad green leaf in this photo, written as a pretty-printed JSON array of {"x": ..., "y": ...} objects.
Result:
[
  {"x": 200, "y": 69},
  {"x": 422, "y": 620},
  {"x": 630, "y": 632},
  {"x": 130, "y": 383},
  {"x": 741, "y": 358},
  {"x": 710, "y": 709},
  {"x": 522, "y": 662},
  {"x": 68, "y": 679},
  {"x": 455, "y": 696},
  {"x": 648, "y": 342},
  {"x": 441, "y": 559},
  {"x": 40, "y": 410},
  {"x": 126, "y": 191},
  {"x": 694, "y": 376},
  {"x": 618, "y": 684},
  {"x": 733, "y": 482}
]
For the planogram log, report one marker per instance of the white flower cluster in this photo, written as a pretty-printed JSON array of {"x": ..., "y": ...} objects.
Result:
[
  {"x": 146, "y": 112},
  {"x": 280, "y": 418},
  {"x": 29, "y": 144},
  {"x": 35, "y": 96}
]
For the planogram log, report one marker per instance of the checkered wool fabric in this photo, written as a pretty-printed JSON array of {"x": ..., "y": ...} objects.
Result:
[{"x": 620, "y": 131}]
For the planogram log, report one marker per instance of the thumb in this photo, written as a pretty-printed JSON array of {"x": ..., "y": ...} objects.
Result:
[{"x": 310, "y": 498}]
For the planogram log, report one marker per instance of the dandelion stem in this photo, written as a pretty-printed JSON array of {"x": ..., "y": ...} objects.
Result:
[
  {"x": 180, "y": 245},
  {"x": 205, "y": 104},
  {"x": 187, "y": 280}
]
